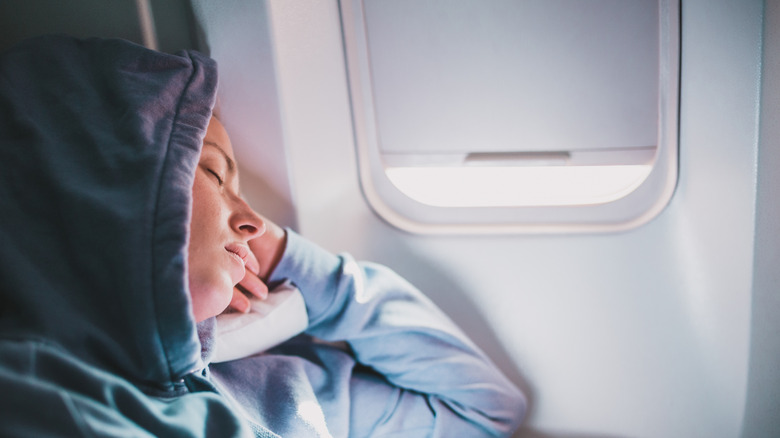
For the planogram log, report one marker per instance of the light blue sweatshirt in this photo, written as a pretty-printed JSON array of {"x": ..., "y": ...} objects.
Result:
[{"x": 407, "y": 371}]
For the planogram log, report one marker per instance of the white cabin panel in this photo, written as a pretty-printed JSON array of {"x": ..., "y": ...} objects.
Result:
[{"x": 636, "y": 334}]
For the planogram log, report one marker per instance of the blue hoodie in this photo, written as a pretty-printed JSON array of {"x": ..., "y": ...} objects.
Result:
[{"x": 99, "y": 141}]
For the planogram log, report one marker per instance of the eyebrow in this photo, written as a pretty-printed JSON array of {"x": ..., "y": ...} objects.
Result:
[{"x": 230, "y": 164}]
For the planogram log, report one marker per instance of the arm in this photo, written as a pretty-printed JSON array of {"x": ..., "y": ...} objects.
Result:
[{"x": 395, "y": 330}]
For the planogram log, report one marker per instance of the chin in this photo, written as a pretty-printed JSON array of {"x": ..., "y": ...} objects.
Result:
[
  {"x": 222, "y": 302},
  {"x": 211, "y": 301}
]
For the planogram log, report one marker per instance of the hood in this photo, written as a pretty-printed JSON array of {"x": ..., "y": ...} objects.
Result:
[{"x": 99, "y": 141}]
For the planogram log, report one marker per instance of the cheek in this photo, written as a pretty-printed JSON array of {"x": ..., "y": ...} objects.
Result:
[
  {"x": 201, "y": 207},
  {"x": 208, "y": 219},
  {"x": 209, "y": 282}
]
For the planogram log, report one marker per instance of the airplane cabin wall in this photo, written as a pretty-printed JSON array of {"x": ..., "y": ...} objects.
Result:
[
  {"x": 763, "y": 386},
  {"x": 639, "y": 334},
  {"x": 663, "y": 331},
  {"x": 85, "y": 18}
]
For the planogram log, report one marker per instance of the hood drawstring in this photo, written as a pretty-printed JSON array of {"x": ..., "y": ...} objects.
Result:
[{"x": 198, "y": 381}]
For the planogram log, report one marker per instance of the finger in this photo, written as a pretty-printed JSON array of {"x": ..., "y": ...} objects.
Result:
[
  {"x": 252, "y": 285},
  {"x": 239, "y": 302},
  {"x": 252, "y": 265}
]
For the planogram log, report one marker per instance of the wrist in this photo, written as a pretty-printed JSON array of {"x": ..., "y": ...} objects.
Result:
[{"x": 269, "y": 249}]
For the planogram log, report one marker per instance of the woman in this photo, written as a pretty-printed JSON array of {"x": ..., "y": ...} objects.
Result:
[{"x": 122, "y": 236}]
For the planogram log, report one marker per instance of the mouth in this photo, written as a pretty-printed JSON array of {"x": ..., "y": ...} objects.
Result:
[{"x": 240, "y": 253}]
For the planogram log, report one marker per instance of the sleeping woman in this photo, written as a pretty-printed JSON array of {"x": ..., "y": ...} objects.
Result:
[{"x": 123, "y": 236}]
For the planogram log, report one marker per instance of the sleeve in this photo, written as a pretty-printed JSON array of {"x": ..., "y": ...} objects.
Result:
[{"x": 395, "y": 330}]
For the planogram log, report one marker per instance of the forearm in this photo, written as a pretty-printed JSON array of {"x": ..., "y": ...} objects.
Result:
[{"x": 397, "y": 331}]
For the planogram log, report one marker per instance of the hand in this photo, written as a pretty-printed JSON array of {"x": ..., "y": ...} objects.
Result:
[
  {"x": 266, "y": 252},
  {"x": 250, "y": 285}
]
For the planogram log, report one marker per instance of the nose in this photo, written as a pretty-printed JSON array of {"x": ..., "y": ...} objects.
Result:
[{"x": 245, "y": 221}]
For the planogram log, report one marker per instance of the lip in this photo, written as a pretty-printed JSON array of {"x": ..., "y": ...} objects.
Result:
[
  {"x": 239, "y": 249},
  {"x": 240, "y": 253}
]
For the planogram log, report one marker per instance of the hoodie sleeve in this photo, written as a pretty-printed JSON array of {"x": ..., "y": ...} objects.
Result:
[{"x": 445, "y": 381}]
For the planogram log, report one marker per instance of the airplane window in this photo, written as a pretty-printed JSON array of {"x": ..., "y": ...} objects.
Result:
[{"x": 508, "y": 116}]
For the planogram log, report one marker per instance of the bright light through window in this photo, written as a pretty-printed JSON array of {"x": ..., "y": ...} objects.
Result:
[
  {"x": 518, "y": 185},
  {"x": 519, "y": 124}
]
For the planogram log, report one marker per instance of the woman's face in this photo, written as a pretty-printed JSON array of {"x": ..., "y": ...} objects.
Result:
[{"x": 222, "y": 223}]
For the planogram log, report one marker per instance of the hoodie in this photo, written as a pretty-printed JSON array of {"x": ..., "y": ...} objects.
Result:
[{"x": 99, "y": 141}]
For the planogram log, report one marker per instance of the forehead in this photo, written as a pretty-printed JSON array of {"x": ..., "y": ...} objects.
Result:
[
  {"x": 218, "y": 136},
  {"x": 209, "y": 147}
]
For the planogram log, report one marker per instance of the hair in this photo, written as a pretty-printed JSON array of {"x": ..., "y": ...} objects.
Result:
[{"x": 215, "y": 112}]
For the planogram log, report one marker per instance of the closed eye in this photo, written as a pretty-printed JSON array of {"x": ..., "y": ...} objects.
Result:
[{"x": 216, "y": 175}]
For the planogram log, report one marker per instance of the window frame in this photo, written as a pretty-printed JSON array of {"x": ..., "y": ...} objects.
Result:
[{"x": 628, "y": 212}]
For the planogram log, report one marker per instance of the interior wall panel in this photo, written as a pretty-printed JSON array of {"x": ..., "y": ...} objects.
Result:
[{"x": 636, "y": 334}]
